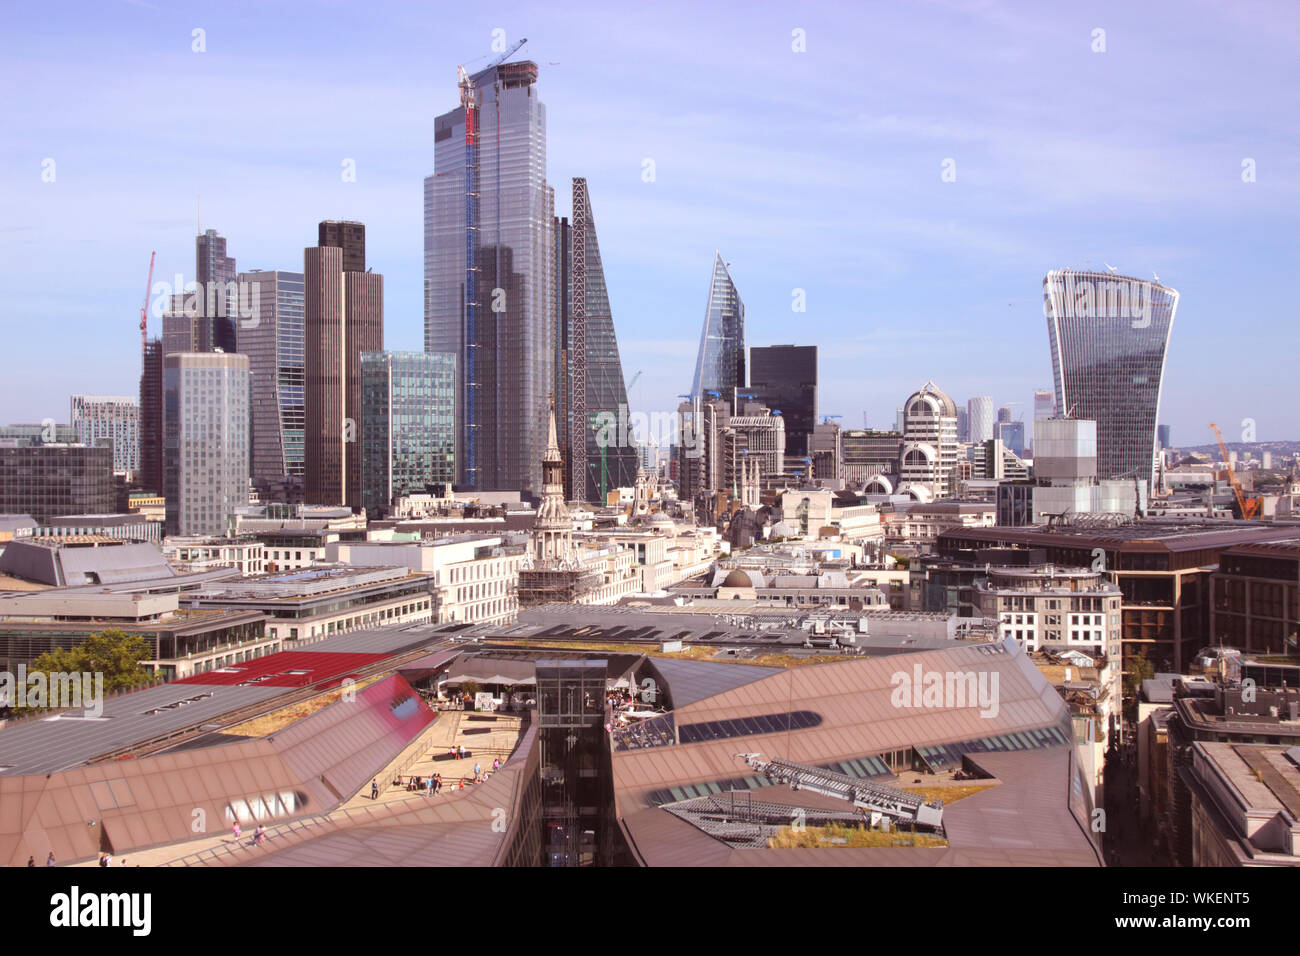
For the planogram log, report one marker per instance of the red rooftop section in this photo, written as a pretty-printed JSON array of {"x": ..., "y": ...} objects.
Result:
[{"x": 288, "y": 669}]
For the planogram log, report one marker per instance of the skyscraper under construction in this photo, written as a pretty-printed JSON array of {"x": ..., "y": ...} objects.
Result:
[{"x": 489, "y": 268}]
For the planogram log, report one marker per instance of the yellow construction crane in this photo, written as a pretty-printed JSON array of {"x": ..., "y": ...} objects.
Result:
[{"x": 1247, "y": 506}]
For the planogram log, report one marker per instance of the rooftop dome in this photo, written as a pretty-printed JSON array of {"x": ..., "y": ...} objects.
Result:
[{"x": 737, "y": 579}]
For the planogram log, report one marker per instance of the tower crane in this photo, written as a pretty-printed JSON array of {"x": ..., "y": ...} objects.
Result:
[
  {"x": 1248, "y": 506},
  {"x": 144, "y": 309}
]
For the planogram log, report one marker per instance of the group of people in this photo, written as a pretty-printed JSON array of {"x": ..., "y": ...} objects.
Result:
[
  {"x": 49, "y": 860},
  {"x": 105, "y": 859},
  {"x": 430, "y": 785},
  {"x": 433, "y": 784},
  {"x": 259, "y": 835}
]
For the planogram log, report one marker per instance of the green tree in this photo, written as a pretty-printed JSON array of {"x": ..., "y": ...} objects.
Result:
[{"x": 113, "y": 653}]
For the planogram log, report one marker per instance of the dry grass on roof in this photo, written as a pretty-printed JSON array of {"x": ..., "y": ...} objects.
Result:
[
  {"x": 949, "y": 794},
  {"x": 277, "y": 720},
  {"x": 690, "y": 652},
  {"x": 843, "y": 835}
]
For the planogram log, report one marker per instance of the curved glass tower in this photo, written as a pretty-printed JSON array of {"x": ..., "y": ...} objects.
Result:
[
  {"x": 1109, "y": 335},
  {"x": 721, "y": 362}
]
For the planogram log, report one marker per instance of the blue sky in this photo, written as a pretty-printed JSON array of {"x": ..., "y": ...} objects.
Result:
[{"x": 816, "y": 170}]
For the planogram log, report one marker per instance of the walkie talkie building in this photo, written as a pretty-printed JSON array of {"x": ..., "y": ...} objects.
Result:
[{"x": 1109, "y": 335}]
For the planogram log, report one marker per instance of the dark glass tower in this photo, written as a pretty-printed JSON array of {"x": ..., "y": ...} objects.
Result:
[
  {"x": 1109, "y": 335},
  {"x": 348, "y": 236},
  {"x": 784, "y": 378},
  {"x": 594, "y": 405},
  {"x": 219, "y": 303},
  {"x": 151, "y": 417},
  {"x": 490, "y": 274},
  {"x": 720, "y": 366}
]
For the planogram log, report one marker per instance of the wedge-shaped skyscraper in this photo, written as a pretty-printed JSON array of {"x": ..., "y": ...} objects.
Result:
[
  {"x": 1109, "y": 335},
  {"x": 721, "y": 363},
  {"x": 593, "y": 394}
]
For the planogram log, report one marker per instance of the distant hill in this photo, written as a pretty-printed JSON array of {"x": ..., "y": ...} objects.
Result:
[{"x": 1284, "y": 449}]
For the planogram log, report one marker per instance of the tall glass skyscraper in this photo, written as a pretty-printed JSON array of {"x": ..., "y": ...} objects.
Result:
[
  {"x": 275, "y": 342},
  {"x": 489, "y": 271},
  {"x": 408, "y": 431},
  {"x": 720, "y": 366},
  {"x": 1109, "y": 334},
  {"x": 219, "y": 303}
]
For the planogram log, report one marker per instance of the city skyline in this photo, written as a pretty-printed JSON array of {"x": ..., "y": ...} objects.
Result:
[{"x": 1031, "y": 193}]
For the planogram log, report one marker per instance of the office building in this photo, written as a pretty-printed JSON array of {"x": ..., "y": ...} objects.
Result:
[
  {"x": 979, "y": 414},
  {"x": 1163, "y": 436},
  {"x": 49, "y": 479},
  {"x": 112, "y": 417},
  {"x": 1108, "y": 336},
  {"x": 868, "y": 453},
  {"x": 205, "y": 440},
  {"x": 408, "y": 435},
  {"x": 720, "y": 365},
  {"x": 1044, "y": 408},
  {"x": 348, "y": 236},
  {"x": 151, "y": 417},
  {"x": 784, "y": 378},
  {"x": 489, "y": 269},
  {"x": 929, "y": 454},
  {"x": 276, "y": 348},
  {"x": 1012, "y": 435},
  {"x": 344, "y": 316},
  {"x": 591, "y": 395},
  {"x": 757, "y": 434}
]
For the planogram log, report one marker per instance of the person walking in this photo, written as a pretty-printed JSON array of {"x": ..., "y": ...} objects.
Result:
[
  {"x": 374, "y": 789},
  {"x": 259, "y": 837},
  {"x": 49, "y": 860},
  {"x": 236, "y": 831},
  {"x": 31, "y": 861}
]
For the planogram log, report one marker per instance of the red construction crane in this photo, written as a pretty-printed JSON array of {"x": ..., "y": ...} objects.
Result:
[
  {"x": 1248, "y": 506},
  {"x": 144, "y": 309}
]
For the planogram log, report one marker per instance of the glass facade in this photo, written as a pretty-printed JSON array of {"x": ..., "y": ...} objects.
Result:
[
  {"x": 1109, "y": 335},
  {"x": 45, "y": 481},
  {"x": 784, "y": 378},
  {"x": 219, "y": 305},
  {"x": 490, "y": 264},
  {"x": 720, "y": 366},
  {"x": 586, "y": 323},
  {"x": 275, "y": 343},
  {"x": 408, "y": 408}
]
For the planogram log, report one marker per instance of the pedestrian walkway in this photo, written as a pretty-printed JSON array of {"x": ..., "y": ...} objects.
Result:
[{"x": 503, "y": 733}]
